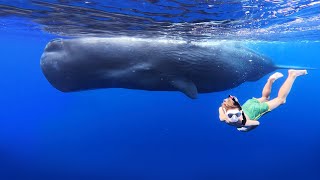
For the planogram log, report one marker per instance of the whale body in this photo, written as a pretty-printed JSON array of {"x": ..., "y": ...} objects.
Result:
[{"x": 92, "y": 63}]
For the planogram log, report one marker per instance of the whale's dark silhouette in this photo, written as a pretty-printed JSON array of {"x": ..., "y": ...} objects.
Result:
[{"x": 92, "y": 63}]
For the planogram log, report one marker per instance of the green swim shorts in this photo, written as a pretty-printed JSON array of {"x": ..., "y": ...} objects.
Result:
[{"x": 255, "y": 109}]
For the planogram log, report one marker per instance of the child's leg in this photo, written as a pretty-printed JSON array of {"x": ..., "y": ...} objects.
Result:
[
  {"x": 267, "y": 87},
  {"x": 285, "y": 88}
]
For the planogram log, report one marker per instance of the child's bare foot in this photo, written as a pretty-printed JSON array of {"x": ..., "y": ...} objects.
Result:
[
  {"x": 275, "y": 76},
  {"x": 296, "y": 73}
]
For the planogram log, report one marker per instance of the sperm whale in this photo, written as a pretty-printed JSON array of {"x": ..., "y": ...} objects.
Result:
[{"x": 91, "y": 63}]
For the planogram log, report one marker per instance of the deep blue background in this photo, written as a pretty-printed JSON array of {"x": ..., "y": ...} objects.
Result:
[{"x": 131, "y": 134}]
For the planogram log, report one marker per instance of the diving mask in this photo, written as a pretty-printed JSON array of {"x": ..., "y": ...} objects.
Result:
[{"x": 233, "y": 115}]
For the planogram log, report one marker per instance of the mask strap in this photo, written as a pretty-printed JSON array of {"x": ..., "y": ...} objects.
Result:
[{"x": 244, "y": 119}]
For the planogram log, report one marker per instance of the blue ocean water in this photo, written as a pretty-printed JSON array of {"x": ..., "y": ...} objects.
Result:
[{"x": 135, "y": 134}]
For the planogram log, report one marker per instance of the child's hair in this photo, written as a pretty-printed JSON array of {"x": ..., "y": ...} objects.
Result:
[{"x": 229, "y": 104}]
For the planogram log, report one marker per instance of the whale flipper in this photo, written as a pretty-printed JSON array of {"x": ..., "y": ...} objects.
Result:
[{"x": 186, "y": 86}]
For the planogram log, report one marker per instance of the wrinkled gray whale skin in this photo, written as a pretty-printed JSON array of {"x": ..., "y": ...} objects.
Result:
[{"x": 91, "y": 63}]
